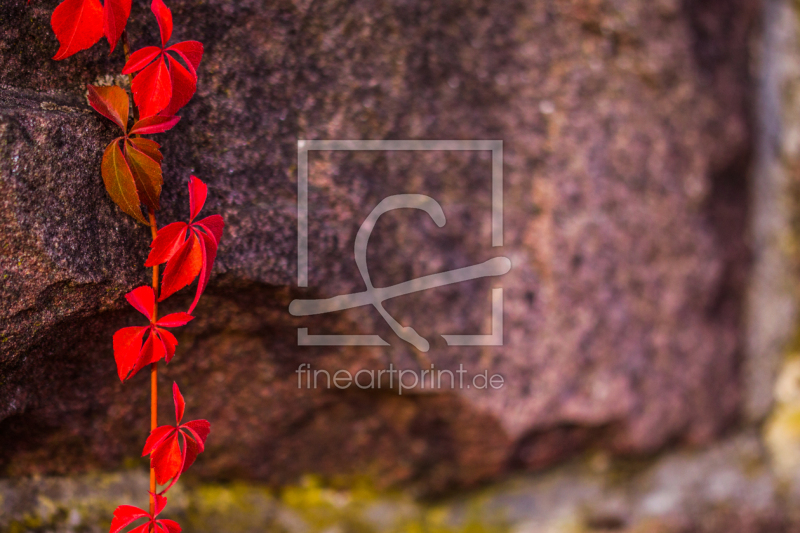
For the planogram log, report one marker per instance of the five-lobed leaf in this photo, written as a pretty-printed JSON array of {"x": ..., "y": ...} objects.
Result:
[
  {"x": 173, "y": 449},
  {"x": 188, "y": 249},
  {"x": 125, "y": 515},
  {"x": 141, "y": 159},
  {"x": 138, "y": 346},
  {"x": 164, "y": 85}
]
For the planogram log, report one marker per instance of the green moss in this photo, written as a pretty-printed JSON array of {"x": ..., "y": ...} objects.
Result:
[
  {"x": 315, "y": 507},
  {"x": 362, "y": 509},
  {"x": 312, "y": 506}
]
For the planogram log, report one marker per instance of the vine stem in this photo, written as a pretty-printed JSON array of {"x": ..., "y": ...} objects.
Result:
[
  {"x": 126, "y": 48},
  {"x": 153, "y": 367}
]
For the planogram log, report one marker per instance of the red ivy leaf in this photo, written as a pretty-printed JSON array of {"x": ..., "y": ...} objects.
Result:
[
  {"x": 200, "y": 430},
  {"x": 119, "y": 182},
  {"x": 184, "y": 85},
  {"x": 180, "y": 403},
  {"x": 164, "y": 85},
  {"x": 164, "y": 19},
  {"x": 198, "y": 192},
  {"x": 188, "y": 249},
  {"x": 152, "y": 88},
  {"x": 183, "y": 267},
  {"x": 141, "y": 161},
  {"x": 156, "y": 124},
  {"x": 140, "y": 59},
  {"x": 148, "y": 147},
  {"x": 115, "y": 17},
  {"x": 213, "y": 226},
  {"x": 127, "y": 347},
  {"x": 174, "y": 320},
  {"x": 125, "y": 515},
  {"x": 146, "y": 174},
  {"x": 170, "y": 342},
  {"x": 167, "y": 459},
  {"x": 168, "y": 241},
  {"x": 172, "y": 449},
  {"x": 78, "y": 25},
  {"x": 209, "y": 247},
  {"x": 144, "y": 300},
  {"x": 189, "y": 51},
  {"x": 156, "y": 436},
  {"x": 111, "y": 102},
  {"x": 132, "y": 351}
]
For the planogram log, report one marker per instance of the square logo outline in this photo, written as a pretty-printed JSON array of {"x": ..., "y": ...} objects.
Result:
[{"x": 305, "y": 146}]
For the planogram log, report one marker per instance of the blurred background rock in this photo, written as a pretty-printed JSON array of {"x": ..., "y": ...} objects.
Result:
[{"x": 651, "y": 356}]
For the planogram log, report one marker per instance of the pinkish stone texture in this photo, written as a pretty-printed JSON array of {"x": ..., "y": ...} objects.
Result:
[{"x": 626, "y": 143}]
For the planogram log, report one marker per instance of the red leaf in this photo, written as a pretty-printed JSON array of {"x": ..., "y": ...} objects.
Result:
[
  {"x": 153, "y": 351},
  {"x": 180, "y": 404},
  {"x": 196, "y": 256},
  {"x": 152, "y": 88},
  {"x": 161, "y": 502},
  {"x": 140, "y": 59},
  {"x": 155, "y": 438},
  {"x": 127, "y": 347},
  {"x": 119, "y": 182},
  {"x": 166, "y": 459},
  {"x": 124, "y": 515},
  {"x": 146, "y": 175},
  {"x": 198, "y": 191},
  {"x": 200, "y": 428},
  {"x": 164, "y": 18},
  {"x": 193, "y": 449},
  {"x": 213, "y": 225},
  {"x": 171, "y": 525},
  {"x": 184, "y": 266},
  {"x": 143, "y": 299},
  {"x": 156, "y": 124},
  {"x": 115, "y": 16},
  {"x": 78, "y": 25},
  {"x": 170, "y": 342},
  {"x": 167, "y": 242},
  {"x": 148, "y": 147},
  {"x": 174, "y": 320},
  {"x": 184, "y": 85},
  {"x": 191, "y": 52},
  {"x": 209, "y": 247},
  {"x": 111, "y": 102}
]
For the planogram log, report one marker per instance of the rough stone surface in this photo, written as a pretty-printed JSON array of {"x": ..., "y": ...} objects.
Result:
[{"x": 626, "y": 143}]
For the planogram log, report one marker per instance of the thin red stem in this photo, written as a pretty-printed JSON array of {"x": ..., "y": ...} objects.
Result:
[
  {"x": 153, "y": 369},
  {"x": 126, "y": 48}
]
